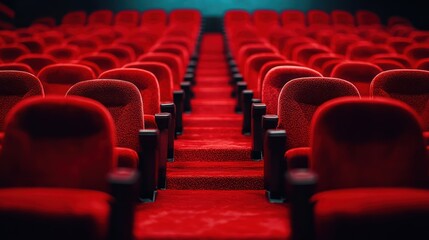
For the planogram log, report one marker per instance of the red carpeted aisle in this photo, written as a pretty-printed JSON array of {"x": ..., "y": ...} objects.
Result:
[{"x": 214, "y": 190}]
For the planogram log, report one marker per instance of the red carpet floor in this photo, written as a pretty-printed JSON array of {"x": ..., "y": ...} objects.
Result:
[{"x": 214, "y": 190}]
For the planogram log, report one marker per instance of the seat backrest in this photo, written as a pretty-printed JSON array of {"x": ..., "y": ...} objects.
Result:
[
  {"x": 14, "y": 87},
  {"x": 36, "y": 61},
  {"x": 387, "y": 64},
  {"x": 64, "y": 53},
  {"x": 124, "y": 54},
  {"x": 76, "y": 18},
  {"x": 105, "y": 61},
  {"x": 417, "y": 51},
  {"x": 17, "y": 67},
  {"x": 367, "y": 18},
  {"x": 10, "y": 53},
  {"x": 185, "y": 16},
  {"x": 154, "y": 17},
  {"x": 318, "y": 17},
  {"x": 253, "y": 65},
  {"x": 101, "y": 17},
  {"x": 367, "y": 143},
  {"x": 342, "y": 17},
  {"x": 34, "y": 44},
  {"x": 358, "y": 73},
  {"x": 144, "y": 80},
  {"x": 58, "y": 142},
  {"x": 399, "y": 43},
  {"x": 162, "y": 73},
  {"x": 236, "y": 17},
  {"x": 299, "y": 99},
  {"x": 276, "y": 78},
  {"x": 58, "y": 78},
  {"x": 129, "y": 18},
  {"x": 362, "y": 51},
  {"x": 169, "y": 59},
  {"x": 410, "y": 86},
  {"x": 293, "y": 17},
  {"x": 123, "y": 100}
]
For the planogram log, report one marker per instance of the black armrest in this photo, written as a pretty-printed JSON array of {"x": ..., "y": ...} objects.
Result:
[
  {"x": 186, "y": 87},
  {"x": 240, "y": 87},
  {"x": 148, "y": 164},
  {"x": 171, "y": 109},
  {"x": 301, "y": 185},
  {"x": 258, "y": 110},
  {"x": 124, "y": 189},
  {"x": 190, "y": 77},
  {"x": 269, "y": 121},
  {"x": 178, "y": 96},
  {"x": 246, "y": 100},
  {"x": 274, "y": 165},
  {"x": 235, "y": 78},
  {"x": 163, "y": 122}
]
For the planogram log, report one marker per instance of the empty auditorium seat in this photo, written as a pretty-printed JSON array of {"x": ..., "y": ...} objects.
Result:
[
  {"x": 36, "y": 61},
  {"x": 303, "y": 53},
  {"x": 317, "y": 60},
  {"x": 362, "y": 51},
  {"x": 64, "y": 150},
  {"x": 265, "y": 21},
  {"x": 105, "y": 61},
  {"x": 124, "y": 54},
  {"x": 64, "y": 53},
  {"x": 399, "y": 43},
  {"x": 100, "y": 17},
  {"x": 85, "y": 45},
  {"x": 342, "y": 18},
  {"x": 387, "y": 64},
  {"x": 35, "y": 45},
  {"x": 127, "y": 18},
  {"x": 407, "y": 85},
  {"x": 297, "y": 103},
  {"x": 58, "y": 78},
  {"x": 367, "y": 18},
  {"x": 399, "y": 58},
  {"x": 76, "y": 18},
  {"x": 155, "y": 19},
  {"x": 10, "y": 53},
  {"x": 422, "y": 64},
  {"x": 316, "y": 17},
  {"x": 124, "y": 102},
  {"x": 358, "y": 73},
  {"x": 185, "y": 16},
  {"x": 416, "y": 51},
  {"x": 16, "y": 66},
  {"x": 234, "y": 17},
  {"x": 293, "y": 19}
]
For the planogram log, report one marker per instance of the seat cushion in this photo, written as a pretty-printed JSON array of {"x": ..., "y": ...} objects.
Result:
[
  {"x": 372, "y": 213},
  {"x": 53, "y": 213}
]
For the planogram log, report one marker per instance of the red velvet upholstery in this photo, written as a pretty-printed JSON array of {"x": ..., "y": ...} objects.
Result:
[
  {"x": 85, "y": 45},
  {"x": 16, "y": 86},
  {"x": 123, "y": 100},
  {"x": 10, "y": 53},
  {"x": 422, "y": 64},
  {"x": 144, "y": 80},
  {"x": 293, "y": 19},
  {"x": 36, "y": 61},
  {"x": 54, "y": 213},
  {"x": 105, "y": 61},
  {"x": 100, "y": 17},
  {"x": 377, "y": 213},
  {"x": 185, "y": 16},
  {"x": 342, "y": 17},
  {"x": 248, "y": 50},
  {"x": 339, "y": 42},
  {"x": 367, "y": 143},
  {"x": 253, "y": 65},
  {"x": 316, "y": 61},
  {"x": 387, "y": 64},
  {"x": 58, "y": 78},
  {"x": 169, "y": 59},
  {"x": 162, "y": 73},
  {"x": 318, "y": 17},
  {"x": 276, "y": 78},
  {"x": 416, "y": 51},
  {"x": 35, "y": 45},
  {"x": 299, "y": 99},
  {"x": 304, "y": 52},
  {"x": 358, "y": 73},
  {"x": 407, "y": 85},
  {"x": 63, "y": 53},
  {"x": 265, "y": 20},
  {"x": 76, "y": 18},
  {"x": 127, "y": 18},
  {"x": 236, "y": 17},
  {"x": 394, "y": 57},
  {"x": 57, "y": 142},
  {"x": 399, "y": 43},
  {"x": 367, "y": 18},
  {"x": 362, "y": 51},
  {"x": 154, "y": 18},
  {"x": 17, "y": 67},
  {"x": 176, "y": 49},
  {"x": 124, "y": 54}
]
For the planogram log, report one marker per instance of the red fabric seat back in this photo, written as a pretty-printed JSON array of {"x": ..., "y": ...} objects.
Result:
[
  {"x": 342, "y": 17},
  {"x": 85, "y": 45},
  {"x": 317, "y": 60},
  {"x": 17, "y": 67},
  {"x": 410, "y": 86},
  {"x": 35, "y": 45},
  {"x": 300, "y": 98},
  {"x": 124, "y": 54},
  {"x": 362, "y": 51},
  {"x": 417, "y": 51},
  {"x": 58, "y": 142},
  {"x": 276, "y": 78},
  {"x": 399, "y": 43},
  {"x": 293, "y": 18},
  {"x": 100, "y": 17},
  {"x": 236, "y": 17},
  {"x": 253, "y": 66},
  {"x": 304, "y": 52},
  {"x": 367, "y": 143},
  {"x": 367, "y": 18},
  {"x": 76, "y": 18},
  {"x": 162, "y": 73},
  {"x": 154, "y": 18},
  {"x": 128, "y": 18},
  {"x": 265, "y": 20},
  {"x": 144, "y": 80},
  {"x": 358, "y": 73},
  {"x": 175, "y": 49},
  {"x": 387, "y": 64},
  {"x": 394, "y": 57},
  {"x": 123, "y": 100},
  {"x": 65, "y": 53},
  {"x": 10, "y": 53},
  {"x": 105, "y": 61},
  {"x": 318, "y": 17},
  {"x": 58, "y": 78},
  {"x": 14, "y": 87},
  {"x": 169, "y": 59},
  {"x": 36, "y": 61}
]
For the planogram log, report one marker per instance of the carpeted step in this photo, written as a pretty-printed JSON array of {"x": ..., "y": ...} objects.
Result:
[
  {"x": 211, "y": 120},
  {"x": 200, "y": 175},
  {"x": 210, "y": 214},
  {"x": 212, "y": 150},
  {"x": 212, "y": 81},
  {"x": 209, "y": 133},
  {"x": 213, "y": 106},
  {"x": 223, "y": 92}
]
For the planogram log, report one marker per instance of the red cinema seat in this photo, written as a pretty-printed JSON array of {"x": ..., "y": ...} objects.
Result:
[
  {"x": 10, "y": 53},
  {"x": 124, "y": 54},
  {"x": 155, "y": 19},
  {"x": 58, "y": 78},
  {"x": 236, "y": 17},
  {"x": 85, "y": 45},
  {"x": 35, "y": 45},
  {"x": 416, "y": 51},
  {"x": 342, "y": 19},
  {"x": 387, "y": 64},
  {"x": 188, "y": 17},
  {"x": 176, "y": 49},
  {"x": 317, "y": 60},
  {"x": 303, "y": 53},
  {"x": 362, "y": 51},
  {"x": 293, "y": 19},
  {"x": 265, "y": 21},
  {"x": 316, "y": 17},
  {"x": 298, "y": 101},
  {"x": 127, "y": 18},
  {"x": 124, "y": 102},
  {"x": 76, "y": 18},
  {"x": 367, "y": 18},
  {"x": 17, "y": 67},
  {"x": 65, "y": 53},
  {"x": 102, "y": 17},
  {"x": 399, "y": 43},
  {"x": 423, "y": 64},
  {"x": 358, "y": 73},
  {"x": 105, "y": 61},
  {"x": 64, "y": 150},
  {"x": 36, "y": 61},
  {"x": 401, "y": 59},
  {"x": 52, "y": 38},
  {"x": 169, "y": 59}
]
